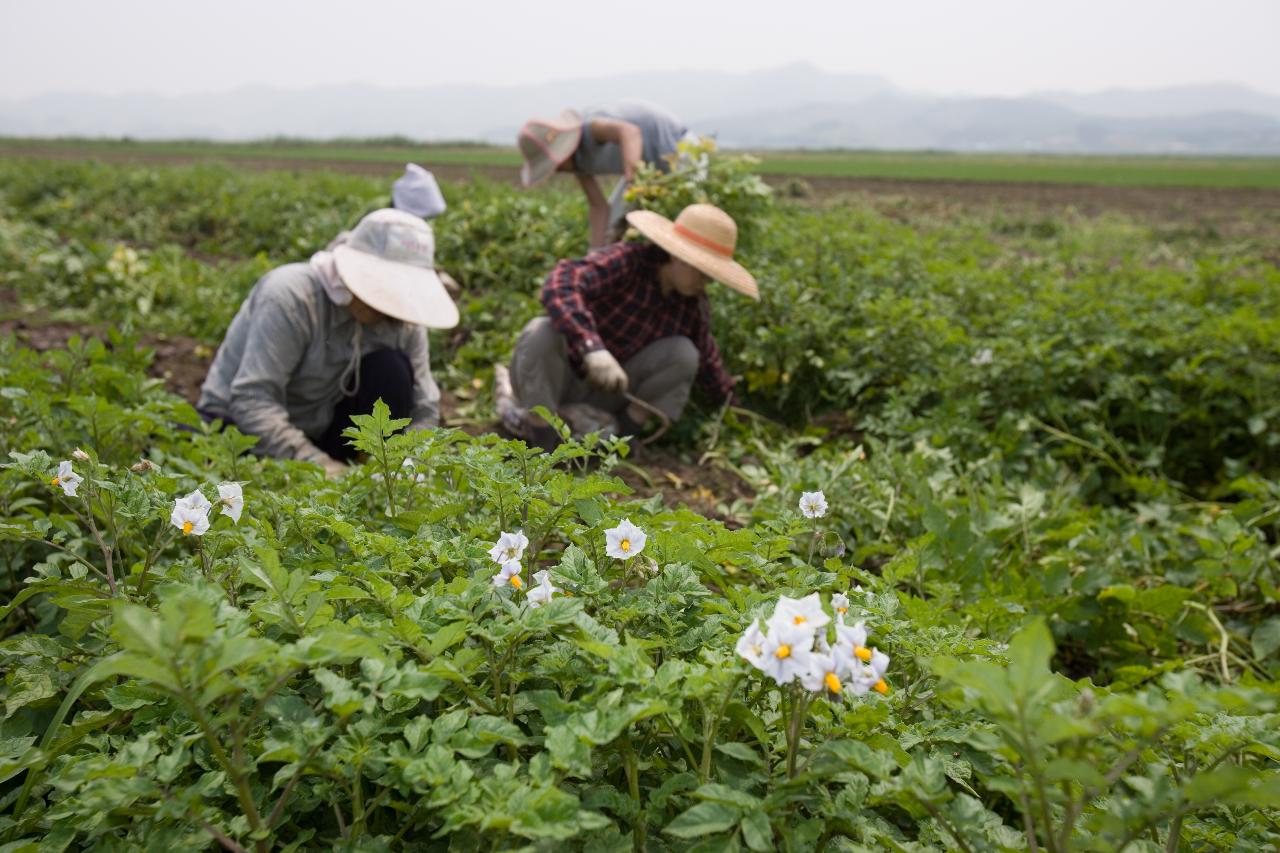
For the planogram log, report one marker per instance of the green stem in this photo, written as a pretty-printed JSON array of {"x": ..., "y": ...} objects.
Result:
[
  {"x": 684, "y": 744},
  {"x": 799, "y": 705},
  {"x": 709, "y": 742},
  {"x": 241, "y": 782},
  {"x": 163, "y": 537},
  {"x": 633, "y": 786}
]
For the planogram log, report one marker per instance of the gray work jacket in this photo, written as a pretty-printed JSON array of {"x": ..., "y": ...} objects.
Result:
[{"x": 279, "y": 370}]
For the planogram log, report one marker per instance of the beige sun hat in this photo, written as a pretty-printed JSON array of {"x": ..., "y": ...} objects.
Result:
[
  {"x": 546, "y": 143},
  {"x": 388, "y": 263},
  {"x": 704, "y": 236}
]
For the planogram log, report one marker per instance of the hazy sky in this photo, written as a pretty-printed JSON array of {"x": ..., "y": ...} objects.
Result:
[{"x": 993, "y": 47}]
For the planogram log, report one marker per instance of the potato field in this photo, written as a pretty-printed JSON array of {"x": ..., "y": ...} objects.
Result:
[{"x": 1037, "y": 607}]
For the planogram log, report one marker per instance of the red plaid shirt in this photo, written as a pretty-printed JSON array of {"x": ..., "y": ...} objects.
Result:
[{"x": 612, "y": 299}]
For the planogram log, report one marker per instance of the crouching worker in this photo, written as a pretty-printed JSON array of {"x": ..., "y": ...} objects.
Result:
[
  {"x": 630, "y": 322},
  {"x": 315, "y": 343}
]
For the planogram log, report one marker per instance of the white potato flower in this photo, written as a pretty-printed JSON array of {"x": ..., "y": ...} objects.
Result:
[
  {"x": 823, "y": 674},
  {"x": 785, "y": 653},
  {"x": 813, "y": 504},
  {"x": 806, "y": 613},
  {"x": 509, "y": 575},
  {"x": 624, "y": 541},
  {"x": 68, "y": 479},
  {"x": 541, "y": 593},
  {"x": 191, "y": 514},
  {"x": 750, "y": 645},
  {"x": 870, "y": 675},
  {"x": 231, "y": 498},
  {"x": 510, "y": 546}
]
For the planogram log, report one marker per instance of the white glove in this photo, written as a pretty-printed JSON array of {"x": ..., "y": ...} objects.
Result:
[
  {"x": 333, "y": 469},
  {"x": 604, "y": 372}
]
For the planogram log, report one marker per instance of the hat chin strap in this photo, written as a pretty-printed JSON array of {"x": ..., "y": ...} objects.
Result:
[{"x": 352, "y": 371}]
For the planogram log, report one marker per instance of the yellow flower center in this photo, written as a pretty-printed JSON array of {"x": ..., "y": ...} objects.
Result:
[
  {"x": 516, "y": 582},
  {"x": 833, "y": 683},
  {"x": 862, "y": 653},
  {"x": 881, "y": 687},
  {"x": 186, "y": 528},
  {"x": 55, "y": 481},
  {"x": 800, "y": 620},
  {"x": 625, "y": 545},
  {"x": 782, "y": 652},
  {"x": 842, "y": 610}
]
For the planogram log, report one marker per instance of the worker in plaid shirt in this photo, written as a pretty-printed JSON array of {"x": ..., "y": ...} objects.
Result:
[{"x": 631, "y": 322}]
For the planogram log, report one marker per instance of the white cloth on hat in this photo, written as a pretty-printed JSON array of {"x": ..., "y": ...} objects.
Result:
[
  {"x": 326, "y": 270},
  {"x": 417, "y": 192}
]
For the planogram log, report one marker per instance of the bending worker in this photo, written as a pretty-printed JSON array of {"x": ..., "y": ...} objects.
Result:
[
  {"x": 611, "y": 140},
  {"x": 315, "y": 343},
  {"x": 632, "y": 317}
]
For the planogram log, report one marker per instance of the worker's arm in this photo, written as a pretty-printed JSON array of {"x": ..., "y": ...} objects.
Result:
[
  {"x": 273, "y": 350},
  {"x": 627, "y": 137},
  {"x": 597, "y": 209},
  {"x": 564, "y": 298},
  {"x": 426, "y": 394}
]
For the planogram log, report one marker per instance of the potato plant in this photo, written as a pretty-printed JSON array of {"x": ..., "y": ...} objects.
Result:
[{"x": 1037, "y": 593}]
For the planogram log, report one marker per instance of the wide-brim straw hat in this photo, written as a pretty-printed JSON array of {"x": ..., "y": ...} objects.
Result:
[
  {"x": 703, "y": 236},
  {"x": 546, "y": 143},
  {"x": 388, "y": 263}
]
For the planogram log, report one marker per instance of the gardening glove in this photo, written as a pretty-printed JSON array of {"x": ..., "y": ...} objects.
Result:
[
  {"x": 333, "y": 469},
  {"x": 604, "y": 372}
]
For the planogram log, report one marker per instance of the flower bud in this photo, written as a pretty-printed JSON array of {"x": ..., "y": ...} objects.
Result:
[
  {"x": 143, "y": 466},
  {"x": 80, "y": 455},
  {"x": 1086, "y": 703}
]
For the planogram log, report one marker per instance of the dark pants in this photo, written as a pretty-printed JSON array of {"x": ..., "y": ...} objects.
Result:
[{"x": 385, "y": 374}]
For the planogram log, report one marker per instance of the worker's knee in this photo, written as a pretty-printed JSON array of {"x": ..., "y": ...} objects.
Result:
[
  {"x": 683, "y": 357},
  {"x": 538, "y": 337}
]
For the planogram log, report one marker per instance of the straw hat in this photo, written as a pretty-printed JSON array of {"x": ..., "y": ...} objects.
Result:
[
  {"x": 388, "y": 262},
  {"x": 546, "y": 143},
  {"x": 704, "y": 236}
]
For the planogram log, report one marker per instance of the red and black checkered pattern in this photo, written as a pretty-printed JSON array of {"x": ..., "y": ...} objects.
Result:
[{"x": 612, "y": 299}]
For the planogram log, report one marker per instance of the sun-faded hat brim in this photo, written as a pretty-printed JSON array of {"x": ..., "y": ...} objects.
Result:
[
  {"x": 549, "y": 156},
  {"x": 406, "y": 292},
  {"x": 715, "y": 264}
]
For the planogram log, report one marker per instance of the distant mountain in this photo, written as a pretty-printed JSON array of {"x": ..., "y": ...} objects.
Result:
[
  {"x": 994, "y": 124},
  {"x": 1172, "y": 102},
  {"x": 793, "y": 106}
]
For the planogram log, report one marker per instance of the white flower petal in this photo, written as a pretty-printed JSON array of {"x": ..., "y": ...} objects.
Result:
[
  {"x": 813, "y": 504},
  {"x": 510, "y": 546},
  {"x": 231, "y": 497},
  {"x": 624, "y": 541}
]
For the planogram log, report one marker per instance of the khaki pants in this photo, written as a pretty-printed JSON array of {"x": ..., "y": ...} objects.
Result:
[{"x": 661, "y": 374}]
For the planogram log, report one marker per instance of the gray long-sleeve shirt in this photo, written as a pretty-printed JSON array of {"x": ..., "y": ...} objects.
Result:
[{"x": 277, "y": 373}]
